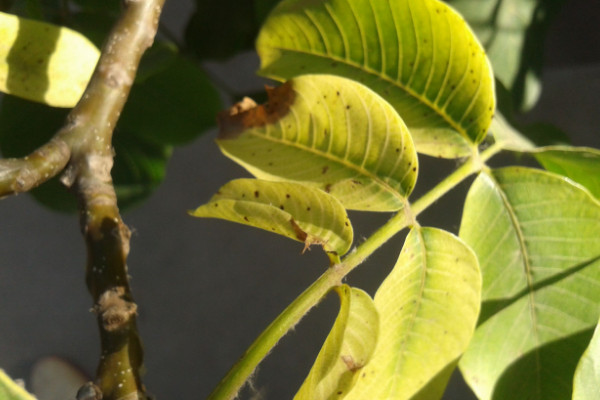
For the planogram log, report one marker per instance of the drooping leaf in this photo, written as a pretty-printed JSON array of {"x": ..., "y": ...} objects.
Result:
[
  {"x": 537, "y": 237},
  {"x": 508, "y": 136},
  {"x": 586, "y": 384},
  {"x": 44, "y": 62},
  {"x": 428, "y": 308},
  {"x": 581, "y": 164},
  {"x": 297, "y": 211},
  {"x": 173, "y": 105},
  {"x": 511, "y": 32},
  {"x": 419, "y": 55},
  {"x": 9, "y": 390},
  {"x": 329, "y": 132},
  {"x": 347, "y": 349}
]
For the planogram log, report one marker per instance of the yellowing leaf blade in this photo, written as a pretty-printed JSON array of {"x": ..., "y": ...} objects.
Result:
[
  {"x": 296, "y": 211},
  {"x": 9, "y": 390},
  {"x": 420, "y": 55},
  {"x": 43, "y": 62},
  {"x": 428, "y": 307},
  {"x": 347, "y": 349},
  {"x": 328, "y": 132}
]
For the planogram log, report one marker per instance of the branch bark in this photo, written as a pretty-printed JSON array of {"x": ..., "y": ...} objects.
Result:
[{"x": 83, "y": 150}]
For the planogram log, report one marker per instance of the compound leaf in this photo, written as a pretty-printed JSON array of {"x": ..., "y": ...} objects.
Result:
[
  {"x": 420, "y": 55},
  {"x": 428, "y": 307},
  {"x": 347, "y": 349},
  {"x": 537, "y": 237},
  {"x": 327, "y": 132},
  {"x": 44, "y": 62},
  {"x": 290, "y": 209}
]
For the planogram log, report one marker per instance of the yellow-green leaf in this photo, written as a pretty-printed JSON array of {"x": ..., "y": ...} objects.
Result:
[
  {"x": 44, "y": 62},
  {"x": 537, "y": 237},
  {"x": 297, "y": 211},
  {"x": 428, "y": 308},
  {"x": 347, "y": 349},
  {"x": 328, "y": 132},
  {"x": 586, "y": 384},
  {"x": 420, "y": 55},
  {"x": 9, "y": 390}
]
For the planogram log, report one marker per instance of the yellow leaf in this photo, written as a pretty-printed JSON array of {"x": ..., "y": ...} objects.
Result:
[{"x": 44, "y": 62}]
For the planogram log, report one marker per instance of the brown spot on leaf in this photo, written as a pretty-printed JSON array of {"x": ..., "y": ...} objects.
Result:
[
  {"x": 328, "y": 188},
  {"x": 247, "y": 114},
  {"x": 256, "y": 194},
  {"x": 324, "y": 170},
  {"x": 351, "y": 364},
  {"x": 300, "y": 234}
]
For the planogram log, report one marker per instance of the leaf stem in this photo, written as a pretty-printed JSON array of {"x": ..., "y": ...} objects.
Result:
[{"x": 241, "y": 371}]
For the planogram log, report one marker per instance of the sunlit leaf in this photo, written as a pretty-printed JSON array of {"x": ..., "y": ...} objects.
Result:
[
  {"x": 512, "y": 31},
  {"x": 537, "y": 237},
  {"x": 419, "y": 55},
  {"x": 293, "y": 210},
  {"x": 581, "y": 164},
  {"x": 9, "y": 390},
  {"x": 428, "y": 308},
  {"x": 44, "y": 62},
  {"x": 586, "y": 384},
  {"x": 346, "y": 350},
  {"x": 329, "y": 132}
]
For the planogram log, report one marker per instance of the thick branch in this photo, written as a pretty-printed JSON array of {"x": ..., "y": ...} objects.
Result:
[
  {"x": 19, "y": 175},
  {"x": 89, "y": 133}
]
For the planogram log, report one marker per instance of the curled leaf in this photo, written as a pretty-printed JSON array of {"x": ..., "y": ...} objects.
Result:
[
  {"x": 296, "y": 211},
  {"x": 328, "y": 132},
  {"x": 347, "y": 349},
  {"x": 420, "y": 55}
]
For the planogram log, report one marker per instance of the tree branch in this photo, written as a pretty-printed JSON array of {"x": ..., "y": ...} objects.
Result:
[{"x": 84, "y": 147}]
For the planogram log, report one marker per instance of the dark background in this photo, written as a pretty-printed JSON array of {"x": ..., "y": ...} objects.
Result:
[{"x": 207, "y": 288}]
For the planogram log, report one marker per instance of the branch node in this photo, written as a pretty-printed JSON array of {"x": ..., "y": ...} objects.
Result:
[{"x": 114, "y": 310}]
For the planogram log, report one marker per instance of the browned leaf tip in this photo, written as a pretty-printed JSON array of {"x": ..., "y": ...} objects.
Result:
[{"x": 247, "y": 114}]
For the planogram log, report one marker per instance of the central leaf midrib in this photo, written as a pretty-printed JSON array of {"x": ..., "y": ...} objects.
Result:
[
  {"x": 379, "y": 75},
  {"x": 527, "y": 265},
  {"x": 333, "y": 159}
]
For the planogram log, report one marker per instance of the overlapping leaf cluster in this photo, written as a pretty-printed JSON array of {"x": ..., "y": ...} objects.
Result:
[
  {"x": 513, "y": 300},
  {"x": 370, "y": 84}
]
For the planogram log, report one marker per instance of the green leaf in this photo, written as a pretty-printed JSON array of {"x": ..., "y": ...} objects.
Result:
[
  {"x": 511, "y": 31},
  {"x": 220, "y": 29},
  {"x": 587, "y": 375},
  {"x": 419, "y": 55},
  {"x": 293, "y": 210},
  {"x": 537, "y": 237},
  {"x": 172, "y": 106},
  {"x": 428, "y": 308},
  {"x": 139, "y": 164},
  {"x": 347, "y": 349},
  {"x": 44, "y": 62},
  {"x": 581, "y": 164},
  {"x": 10, "y": 390},
  {"x": 330, "y": 132}
]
